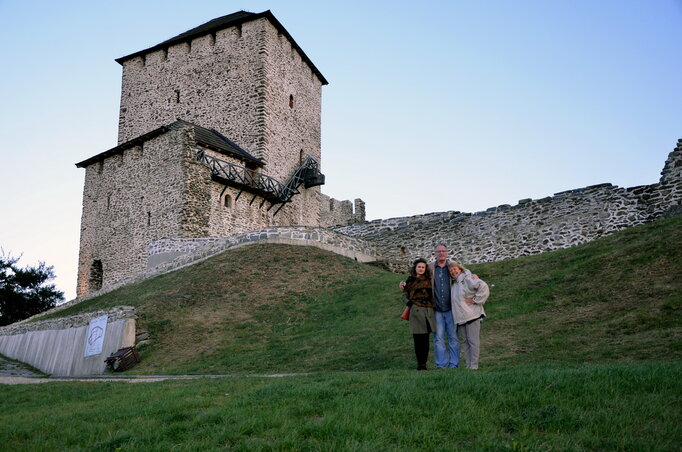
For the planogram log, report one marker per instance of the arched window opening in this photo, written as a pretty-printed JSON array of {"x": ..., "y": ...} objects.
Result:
[
  {"x": 291, "y": 101},
  {"x": 96, "y": 275},
  {"x": 227, "y": 202}
]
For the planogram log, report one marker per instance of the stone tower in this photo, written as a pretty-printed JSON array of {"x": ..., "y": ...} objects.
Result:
[{"x": 219, "y": 133}]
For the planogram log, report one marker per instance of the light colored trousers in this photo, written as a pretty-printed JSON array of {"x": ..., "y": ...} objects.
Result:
[{"x": 471, "y": 342}]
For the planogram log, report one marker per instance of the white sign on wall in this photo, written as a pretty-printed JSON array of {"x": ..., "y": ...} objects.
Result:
[{"x": 95, "y": 338}]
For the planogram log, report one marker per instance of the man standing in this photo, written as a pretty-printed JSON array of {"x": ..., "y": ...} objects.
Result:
[{"x": 446, "y": 357}]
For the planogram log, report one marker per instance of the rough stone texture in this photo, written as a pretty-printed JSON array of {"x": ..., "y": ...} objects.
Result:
[
  {"x": 170, "y": 254},
  {"x": 131, "y": 199},
  {"x": 242, "y": 83},
  {"x": 672, "y": 171},
  {"x": 247, "y": 82},
  {"x": 335, "y": 213},
  {"x": 212, "y": 82},
  {"x": 73, "y": 321},
  {"x": 530, "y": 227}
]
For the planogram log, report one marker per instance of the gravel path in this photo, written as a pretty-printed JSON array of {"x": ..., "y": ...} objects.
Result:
[
  {"x": 10, "y": 368},
  {"x": 36, "y": 380},
  {"x": 14, "y": 372}
]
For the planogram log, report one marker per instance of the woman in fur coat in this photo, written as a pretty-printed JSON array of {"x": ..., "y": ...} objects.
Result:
[
  {"x": 418, "y": 295},
  {"x": 468, "y": 296}
]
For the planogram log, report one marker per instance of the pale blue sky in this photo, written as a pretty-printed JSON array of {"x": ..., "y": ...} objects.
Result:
[{"x": 432, "y": 105}]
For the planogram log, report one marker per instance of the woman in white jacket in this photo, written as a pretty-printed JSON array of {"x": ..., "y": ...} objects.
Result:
[{"x": 468, "y": 296}]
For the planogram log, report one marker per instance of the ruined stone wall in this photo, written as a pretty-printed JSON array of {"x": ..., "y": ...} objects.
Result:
[
  {"x": 336, "y": 213},
  {"x": 530, "y": 227},
  {"x": 671, "y": 175},
  {"x": 131, "y": 199}
]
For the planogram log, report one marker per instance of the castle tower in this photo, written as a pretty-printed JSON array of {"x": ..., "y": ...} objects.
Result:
[
  {"x": 241, "y": 74},
  {"x": 217, "y": 126}
]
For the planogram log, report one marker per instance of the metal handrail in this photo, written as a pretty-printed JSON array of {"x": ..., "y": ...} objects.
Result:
[
  {"x": 299, "y": 176},
  {"x": 248, "y": 178}
]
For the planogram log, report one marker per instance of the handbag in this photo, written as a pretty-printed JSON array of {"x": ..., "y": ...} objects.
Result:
[{"x": 406, "y": 313}]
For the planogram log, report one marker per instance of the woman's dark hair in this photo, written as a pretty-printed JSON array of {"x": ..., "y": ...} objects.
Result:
[{"x": 413, "y": 270}]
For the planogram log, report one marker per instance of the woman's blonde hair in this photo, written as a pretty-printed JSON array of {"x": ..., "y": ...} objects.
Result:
[{"x": 456, "y": 265}]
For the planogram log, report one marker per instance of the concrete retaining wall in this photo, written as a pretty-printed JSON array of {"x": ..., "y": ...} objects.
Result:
[{"x": 57, "y": 346}]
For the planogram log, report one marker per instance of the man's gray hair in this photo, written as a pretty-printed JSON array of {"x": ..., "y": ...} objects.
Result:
[{"x": 440, "y": 244}]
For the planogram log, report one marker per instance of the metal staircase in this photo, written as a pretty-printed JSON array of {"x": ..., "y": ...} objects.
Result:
[{"x": 267, "y": 187}]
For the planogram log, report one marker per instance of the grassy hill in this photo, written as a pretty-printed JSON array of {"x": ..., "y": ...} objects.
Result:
[
  {"x": 279, "y": 308},
  {"x": 581, "y": 351}
]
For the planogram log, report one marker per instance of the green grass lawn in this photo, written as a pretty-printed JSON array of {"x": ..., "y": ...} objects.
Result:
[
  {"x": 581, "y": 350},
  {"x": 628, "y": 407}
]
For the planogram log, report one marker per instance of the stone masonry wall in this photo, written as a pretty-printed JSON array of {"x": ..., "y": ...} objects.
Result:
[
  {"x": 209, "y": 82},
  {"x": 246, "y": 82},
  {"x": 173, "y": 253},
  {"x": 251, "y": 85},
  {"x": 671, "y": 175},
  {"x": 530, "y": 227},
  {"x": 336, "y": 213},
  {"x": 72, "y": 321},
  {"x": 129, "y": 200},
  {"x": 292, "y": 122},
  {"x": 229, "y": 211},
  {"x": 152, "y": 191}
]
